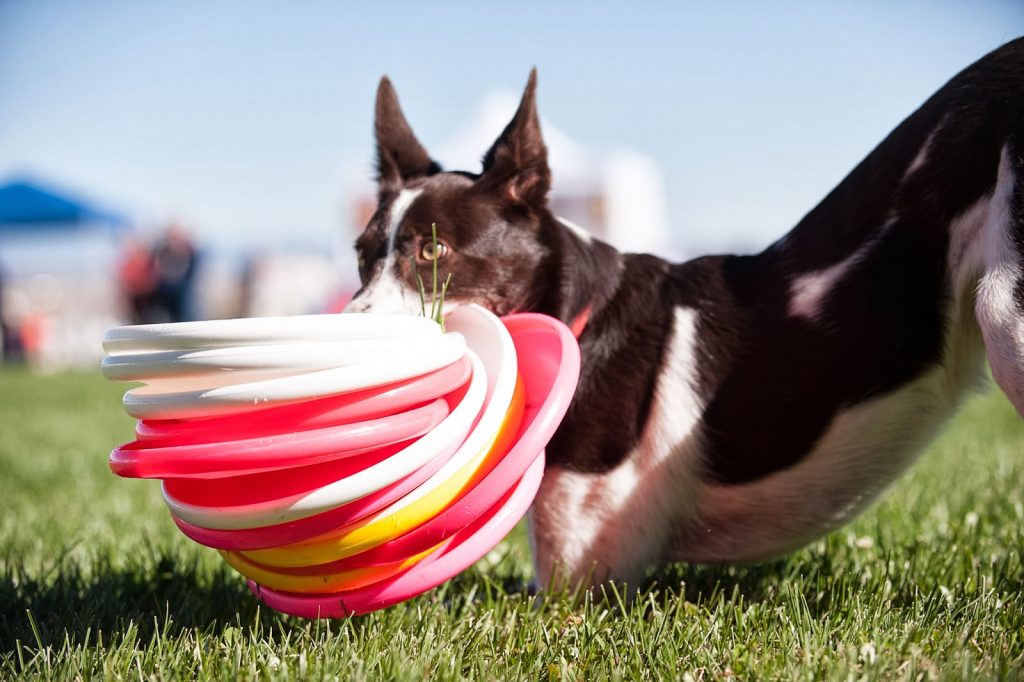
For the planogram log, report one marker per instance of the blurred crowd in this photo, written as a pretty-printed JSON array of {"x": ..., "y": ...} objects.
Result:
[
  {"x": 156, "y": 280},
  {"x": 54, "y": 311}
]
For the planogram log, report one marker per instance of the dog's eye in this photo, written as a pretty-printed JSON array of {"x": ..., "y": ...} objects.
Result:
[{"x": 431, "y": 251}]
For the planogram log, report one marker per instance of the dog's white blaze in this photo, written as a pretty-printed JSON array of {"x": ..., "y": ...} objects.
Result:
[
  {"x": 398, "y": 210},
  {"x": 580, "y": 233},
  {"x": 385, "y": 293},
  {"x": 618, "y": 523},
  {"x": 808, "y": 293},
  {"x": 1001, "y": 324}
]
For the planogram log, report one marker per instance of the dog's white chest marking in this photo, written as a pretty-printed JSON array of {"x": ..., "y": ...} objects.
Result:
[{"x": 610, "y": 524}]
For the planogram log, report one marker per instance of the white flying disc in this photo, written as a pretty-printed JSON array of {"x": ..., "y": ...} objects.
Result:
[
  {"x": 248, "y": 331},
  {"x": 151, "y": 402},
  {"x": 298, "y": 356}
]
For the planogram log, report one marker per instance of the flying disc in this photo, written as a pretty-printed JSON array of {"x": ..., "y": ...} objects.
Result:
[
  {"x": 148, "y": 403},
  {"x": 371, "y": 403},
  {"x": 292, "y": 361},
  {"x": 465, "y": 549},
  {"x": 264, "y": 331},
  {"x": 303, "y": 356},
  {"x": 344, "y": 463},
  {"x": 549, "y": 363},
  {"x": 491, "y": 435},
  {"x": 140, "y": 459},
  {"x": 298, "y": 530},
  {"x": 405, "y": 514},
  {"x": 445, "y": 437},
  {"x": 322, "y": 580}
]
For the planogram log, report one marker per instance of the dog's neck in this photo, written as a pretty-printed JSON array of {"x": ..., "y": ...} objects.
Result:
[{"x": 580, "y": 276}]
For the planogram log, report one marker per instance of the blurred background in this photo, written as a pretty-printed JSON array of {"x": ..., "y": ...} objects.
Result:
[{"x": 179, "y": 160}]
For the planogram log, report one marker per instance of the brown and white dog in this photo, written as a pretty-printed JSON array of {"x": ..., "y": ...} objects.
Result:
[{"x": 736, "y": 407}]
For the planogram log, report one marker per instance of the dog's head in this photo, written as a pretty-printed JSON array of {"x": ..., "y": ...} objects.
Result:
[{"x": 490, "y": 226}]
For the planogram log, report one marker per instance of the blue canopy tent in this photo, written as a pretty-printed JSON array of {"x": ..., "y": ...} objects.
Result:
[
  {"x": 44, "y": 229},
  {"x": 29, "y": 206}
]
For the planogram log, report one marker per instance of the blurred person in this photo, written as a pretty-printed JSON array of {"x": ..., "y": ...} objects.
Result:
[
  {"x": 136, "y": 278},
  {"x": 174, "y": 264}
]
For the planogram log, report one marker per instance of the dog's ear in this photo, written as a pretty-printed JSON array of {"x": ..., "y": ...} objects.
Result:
[
  {"x": 400, "y": 156},
  {"x": 517, "y": 164}
]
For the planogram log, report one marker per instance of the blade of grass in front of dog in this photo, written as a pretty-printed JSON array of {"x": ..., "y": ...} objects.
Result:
[
  {"x": 444, "y": 291},
  {"x": 420, "y": 286},
  {"x": 433, "y": 293},
  {"x": 436, "y": 303}
]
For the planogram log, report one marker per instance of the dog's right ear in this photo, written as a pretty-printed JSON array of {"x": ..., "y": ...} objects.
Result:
[
  {"x": 516, "y": 165},
  {"x": 400, "y": 156}
]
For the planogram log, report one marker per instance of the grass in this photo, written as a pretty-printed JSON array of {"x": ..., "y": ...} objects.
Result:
[{"x": 95, "y": 581}]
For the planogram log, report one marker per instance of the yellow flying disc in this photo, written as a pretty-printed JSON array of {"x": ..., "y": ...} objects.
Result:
[{"x": 322, "y": 583}]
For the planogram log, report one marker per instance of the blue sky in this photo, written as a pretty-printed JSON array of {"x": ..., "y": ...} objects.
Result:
[{"x": 247, "y": 118}]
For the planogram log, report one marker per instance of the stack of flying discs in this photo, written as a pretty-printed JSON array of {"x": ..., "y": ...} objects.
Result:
[{"x": 344, "y": 463}]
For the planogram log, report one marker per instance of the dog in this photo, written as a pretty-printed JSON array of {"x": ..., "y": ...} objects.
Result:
[{"x": 734, "y": 408}]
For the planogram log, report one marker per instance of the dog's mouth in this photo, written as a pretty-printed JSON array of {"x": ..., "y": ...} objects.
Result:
[{"x": 409, "y": 304}]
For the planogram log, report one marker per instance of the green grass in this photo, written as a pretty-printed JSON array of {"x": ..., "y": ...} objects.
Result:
[{"x": 96, "y": 581}]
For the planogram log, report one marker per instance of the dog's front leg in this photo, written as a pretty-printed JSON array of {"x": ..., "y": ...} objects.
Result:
[
  {"x": 591, "y": 526},
  {"x": 588, "y": 528},
  {"x": 580, "y": 537}
]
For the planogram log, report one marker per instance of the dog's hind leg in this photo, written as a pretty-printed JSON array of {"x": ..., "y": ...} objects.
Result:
[{"x": 1000, "y": 295}]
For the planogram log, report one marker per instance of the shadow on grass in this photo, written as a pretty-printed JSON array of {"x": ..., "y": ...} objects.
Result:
[
  {"x": 697, "y": 583},
  {"x": 167, "y": 597},
  {"x": 108, "y": 602}
]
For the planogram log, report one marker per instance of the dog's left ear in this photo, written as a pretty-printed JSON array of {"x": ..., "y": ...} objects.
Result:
[
  {"x": 517, "y": 164},
  {"x": 400, "y": 156}
]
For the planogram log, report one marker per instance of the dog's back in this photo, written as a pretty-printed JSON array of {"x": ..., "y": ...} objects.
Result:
[{"x": 737, "y": 407}]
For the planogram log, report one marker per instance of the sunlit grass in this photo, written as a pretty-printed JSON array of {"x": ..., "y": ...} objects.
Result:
[{"x": 96, "y": 581}]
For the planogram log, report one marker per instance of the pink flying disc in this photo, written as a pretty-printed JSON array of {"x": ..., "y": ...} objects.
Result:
[
  {"x": 465, "y": 549},
  {"x": 370, "y": 403},
  {"x": 549, "y": 364},
  {"x": 140, "y": 459}
]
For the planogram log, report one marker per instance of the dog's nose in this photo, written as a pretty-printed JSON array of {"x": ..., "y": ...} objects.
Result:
[{"x": 356, "y": 306}]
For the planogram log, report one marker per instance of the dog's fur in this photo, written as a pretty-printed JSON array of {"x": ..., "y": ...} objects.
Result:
[{"x": 736, "y": 407}]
